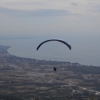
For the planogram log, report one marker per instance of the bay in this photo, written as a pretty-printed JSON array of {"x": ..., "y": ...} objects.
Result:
[{"x": 80, "y": 53}]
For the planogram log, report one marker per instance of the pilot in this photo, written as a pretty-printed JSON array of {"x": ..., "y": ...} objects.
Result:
[{"x": 54, "y": 68}]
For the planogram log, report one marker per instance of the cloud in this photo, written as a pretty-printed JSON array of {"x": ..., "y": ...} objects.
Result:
[
  {"x": 74, "y": 4},
  {"x": 40, "y": 12},
  {"x": 95, "y": 9}
]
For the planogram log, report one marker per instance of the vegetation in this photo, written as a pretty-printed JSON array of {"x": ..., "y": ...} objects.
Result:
[{"x": 32, "y": 79}]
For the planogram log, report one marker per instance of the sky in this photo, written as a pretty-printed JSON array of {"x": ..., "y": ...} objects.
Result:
[
  {"x": 49, "y": 17},
  {"x": 78, "y": 21}
]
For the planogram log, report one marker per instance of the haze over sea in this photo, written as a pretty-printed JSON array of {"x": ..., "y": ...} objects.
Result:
[
  {"x": 85, "y": 50},
  {"x": 24, "y": 24}
]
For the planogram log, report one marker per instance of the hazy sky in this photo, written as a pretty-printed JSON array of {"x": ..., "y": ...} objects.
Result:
[
  {"x": 50, "y": 17},
  {"x": 78, "y": 21}
]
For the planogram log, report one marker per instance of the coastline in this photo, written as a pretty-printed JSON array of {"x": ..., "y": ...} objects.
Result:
[{"x": 4, "y": 51}]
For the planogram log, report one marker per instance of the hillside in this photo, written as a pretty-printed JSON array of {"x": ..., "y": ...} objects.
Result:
[{"x": 32, "y": 79}]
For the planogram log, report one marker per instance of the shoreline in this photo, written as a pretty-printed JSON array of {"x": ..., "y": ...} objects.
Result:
[{"x": 4, "y": 51}]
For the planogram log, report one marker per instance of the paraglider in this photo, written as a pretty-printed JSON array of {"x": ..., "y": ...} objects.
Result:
[
  {"x": 59, "y": 40},
  {"x": 54, "y": 68}
]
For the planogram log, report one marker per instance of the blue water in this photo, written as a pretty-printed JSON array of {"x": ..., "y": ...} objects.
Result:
[{"x": 82, "y": 52}]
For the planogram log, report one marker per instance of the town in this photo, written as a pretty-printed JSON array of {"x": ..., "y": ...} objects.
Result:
[{"x": 32, "y": 79}]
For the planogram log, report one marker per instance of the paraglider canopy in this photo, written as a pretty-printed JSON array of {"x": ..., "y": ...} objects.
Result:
[{"x": 59, "y": 40}]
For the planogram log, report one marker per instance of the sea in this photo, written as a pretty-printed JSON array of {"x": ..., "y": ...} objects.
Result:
[{"x": 83, "y": 52}]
